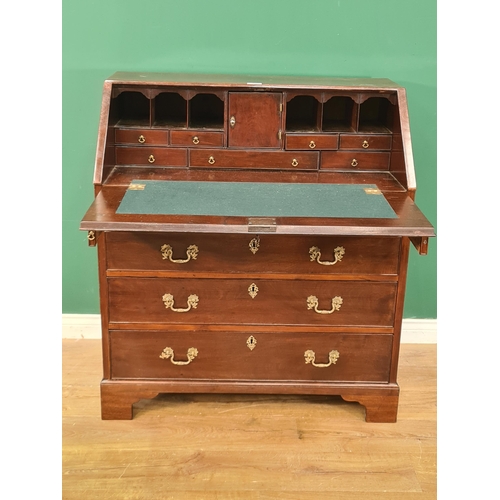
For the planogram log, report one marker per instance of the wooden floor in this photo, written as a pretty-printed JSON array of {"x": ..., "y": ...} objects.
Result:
[{"x": 207, "y": 447}]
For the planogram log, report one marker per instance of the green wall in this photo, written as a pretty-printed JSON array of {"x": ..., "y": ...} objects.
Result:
[{"x": 358, "y": 38}]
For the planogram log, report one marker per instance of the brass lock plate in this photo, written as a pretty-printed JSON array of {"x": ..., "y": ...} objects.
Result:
[{"x": 261, "y": 225}]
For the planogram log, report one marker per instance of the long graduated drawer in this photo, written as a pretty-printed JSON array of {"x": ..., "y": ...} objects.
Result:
[
  {"x": 247, "y": 253},
  {"x": 230, "y": 355}
]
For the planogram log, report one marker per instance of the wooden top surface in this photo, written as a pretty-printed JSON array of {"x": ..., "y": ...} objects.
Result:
[
  {"x": 251, "y": 81},
  {"x": 410, "y": 221}
]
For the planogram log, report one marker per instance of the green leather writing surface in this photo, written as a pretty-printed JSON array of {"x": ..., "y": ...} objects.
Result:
[{"x": 255, "y": 199}]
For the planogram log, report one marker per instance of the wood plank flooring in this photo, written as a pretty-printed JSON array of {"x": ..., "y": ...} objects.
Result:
[{"x": 229, "y": 447}]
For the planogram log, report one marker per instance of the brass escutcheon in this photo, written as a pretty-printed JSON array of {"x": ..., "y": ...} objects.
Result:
[
  {"x": 167, "y": 252},
  {"x": 253, "y": 290},
  {"x": 354, "y": 162},
  {"x": 251, "y": 342},
  {"x": 312, "y": 144},
  {"x": 196, "y": 140},
  {"x": 310, "y": 357},
  {"x": 192, "y": 301},
  {"x": 232, "y": 121},
  {"x": 294, "y": 162},
  {"x": 151, "y": 159},
  {"x": 211, "y": 160},
  {"x": 142, "y": 139},
  {"x": 254, "y": 244},
  {"x": 313, "y": 302},
  {"x": 168, "y": 352},
  {"x": 365, "y": 144},
  {"x": 315, "y": 254}
]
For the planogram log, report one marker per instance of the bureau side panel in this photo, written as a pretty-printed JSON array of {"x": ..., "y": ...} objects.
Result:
[
  {"x": 103, "y": 299},
  {"x": 400, "y": 298}
]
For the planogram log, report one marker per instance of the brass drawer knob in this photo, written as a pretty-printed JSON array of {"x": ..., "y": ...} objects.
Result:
[
  {"x": 354, "y": 162},
  {"x": 168, "y": 352},
  {"x": 167, "y": 252},
  {"x": 313, "y": 302},
  {"x": 312, "y": 144},
  {"x": 315, "y": 255},
  {"x": 211, "y": 160},
  {"x": 151, "y": 159},
  {"x": 310, "y": 357},
  {"x": 192, "y": 302},
  {"x": 196, "y": 140},
  {"x": 294, "y": 162},
  {"x": 142, "y": 139}
]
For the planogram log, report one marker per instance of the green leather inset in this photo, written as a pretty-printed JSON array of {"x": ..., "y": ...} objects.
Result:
[{"x": 255, "y": 199}]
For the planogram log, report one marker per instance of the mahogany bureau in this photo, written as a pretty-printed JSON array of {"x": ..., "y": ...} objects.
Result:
[{"x": 253, "y": 237}]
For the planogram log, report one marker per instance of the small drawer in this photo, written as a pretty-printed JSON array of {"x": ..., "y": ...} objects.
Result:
[
  {"x": 311, "y": 141},
  {"x": 196, "y": 138},
  {"x": 156, "y": 157},
  {"x": 213, "y": 158},
  {"x": 263, "y": 254},
  {"x": 355, "y": 160},
  {"x": 250, "y": 356},
  {"x": 251, "y": 301},
  {"x": 365, "y": 142},
  {"x": 141, "y": 136}
]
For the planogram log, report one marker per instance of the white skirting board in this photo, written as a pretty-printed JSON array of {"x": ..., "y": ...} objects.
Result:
[{"x": 88, "y": 326}]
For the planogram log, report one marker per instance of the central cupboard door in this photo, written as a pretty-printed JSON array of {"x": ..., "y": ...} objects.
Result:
[{"x": 255, "y": 120}]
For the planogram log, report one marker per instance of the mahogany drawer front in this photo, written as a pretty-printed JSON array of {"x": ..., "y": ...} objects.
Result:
[
  {"x": 172, "y": 157},
  {"x": 253, "y": 159},
  {"x": 247, "y": 301},
  {"x": 196, "y": 138},
  {"x": 365, "y": 142},
  {"x": 237, "y": 253},
  {"x": 360, "y": 160},
  {"x": 141, "y": 136},
  {"x": 226, "y": 355},
  {"x": 311, "y": 141}
]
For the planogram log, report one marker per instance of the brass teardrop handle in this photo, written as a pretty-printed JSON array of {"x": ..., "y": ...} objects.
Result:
[
  {"x": 312, "y": 144},
  {"x": 354, "y": 162},
  {"x": 151, "y": 159},
  {"x": 168, "y": 352},
  {"x": 232, "y": 121},
  {"x": 192, "y": 302},
  {"x": 294, "y": 162},
  {"x": 142, "y": 139},
  {"x": 365, "y": 144},
  {"x": 167, "y": 252},
  {"x": 315, "y": 254},
  {"x": 313, "y": 302},
  {"x": 211, "y": 160},
  {"x": 196, "y": 140},
  {"x": 310, "y": 357}
]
